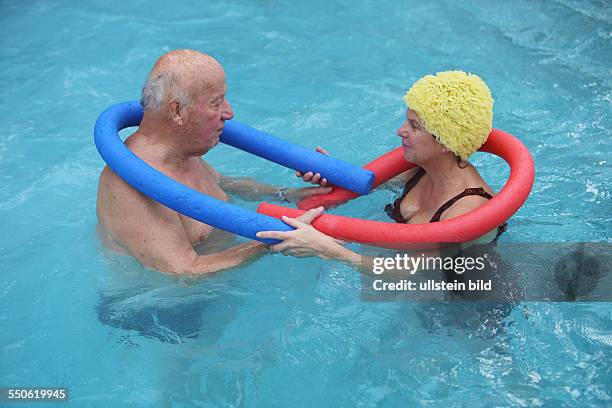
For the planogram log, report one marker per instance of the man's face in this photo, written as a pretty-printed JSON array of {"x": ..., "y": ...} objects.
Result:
[{"x": 207, "y": 116}]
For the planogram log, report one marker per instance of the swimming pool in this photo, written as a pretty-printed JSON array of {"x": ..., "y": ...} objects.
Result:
[{"x": 281, "y": 331}]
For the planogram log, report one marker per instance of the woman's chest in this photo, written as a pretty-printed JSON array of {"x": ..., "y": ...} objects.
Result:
[
  {"x": 417, "y": 207},
  {"x": 413, "y": 213}
]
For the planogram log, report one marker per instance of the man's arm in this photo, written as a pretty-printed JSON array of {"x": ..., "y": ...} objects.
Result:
[
  {"x": 229, "y": 258},
  {"x": 155, "y": 236},
  {"x": 247, "y": 188},
  {"x": 253, "y": 190},
  {"x": 169, "y": 250}
]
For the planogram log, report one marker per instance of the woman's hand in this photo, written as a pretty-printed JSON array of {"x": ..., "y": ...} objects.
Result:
[
  {"x": 310, "y": 177},
  {"x": 306, "y": 241}
]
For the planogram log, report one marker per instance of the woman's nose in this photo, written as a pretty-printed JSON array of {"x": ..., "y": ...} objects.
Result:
[{"x": 403, "y": 130}]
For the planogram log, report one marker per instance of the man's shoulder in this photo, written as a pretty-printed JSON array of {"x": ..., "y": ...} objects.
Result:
[
  {"x": 109, "y": 180},
  {"x": 210, "y": 169},
  {"x": 113, "y": 191},
  {"x": 120, "y": 207}
]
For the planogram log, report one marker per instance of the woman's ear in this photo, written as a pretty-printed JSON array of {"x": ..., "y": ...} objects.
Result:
[{"x": 443, "y": 148}]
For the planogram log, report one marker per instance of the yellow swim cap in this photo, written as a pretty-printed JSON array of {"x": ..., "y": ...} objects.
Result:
[{"x": 455, "y": 107}]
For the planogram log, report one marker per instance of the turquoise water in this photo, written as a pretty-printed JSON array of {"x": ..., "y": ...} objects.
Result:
[{"x": 281, "y": 331}]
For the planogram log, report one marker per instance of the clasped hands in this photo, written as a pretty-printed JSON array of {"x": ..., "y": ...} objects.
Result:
[{"x": 305, "y": 240}]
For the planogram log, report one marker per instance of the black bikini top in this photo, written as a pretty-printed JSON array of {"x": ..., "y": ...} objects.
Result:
[{"x": 393, "y": 210}]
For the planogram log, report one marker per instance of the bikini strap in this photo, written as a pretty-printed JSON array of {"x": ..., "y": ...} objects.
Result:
[
  {"x": 468, "y": 192},
  {"x": 393, "y": 210},
  {"x": 412, "y": 182}
]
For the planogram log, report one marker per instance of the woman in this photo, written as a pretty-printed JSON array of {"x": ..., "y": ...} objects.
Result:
[{"x": 449, "y": 117}]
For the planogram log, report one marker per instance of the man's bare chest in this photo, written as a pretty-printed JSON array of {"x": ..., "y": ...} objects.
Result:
[{"x": 206, "y": 184}]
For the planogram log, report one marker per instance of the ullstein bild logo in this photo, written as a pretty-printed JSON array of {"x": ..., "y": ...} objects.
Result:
[{"x": 502, "y": 272}]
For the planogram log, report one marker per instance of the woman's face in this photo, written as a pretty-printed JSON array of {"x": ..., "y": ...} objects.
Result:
[{"x": 419, "y": 145}]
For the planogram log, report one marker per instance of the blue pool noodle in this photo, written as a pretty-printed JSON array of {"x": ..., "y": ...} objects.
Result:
[
  {"x": 201, "y": 207},
  {"x": 296, "y": 157},
  {"x": 165, "y": 190}
]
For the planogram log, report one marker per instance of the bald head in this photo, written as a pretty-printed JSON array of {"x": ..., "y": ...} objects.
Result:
[{"x": 178, "y": 76}]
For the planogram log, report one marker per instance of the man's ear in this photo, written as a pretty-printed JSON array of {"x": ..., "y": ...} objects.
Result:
[{"x": 176, "y": 112}]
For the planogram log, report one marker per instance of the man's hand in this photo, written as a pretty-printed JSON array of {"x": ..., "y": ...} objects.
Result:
[{"x": 310, "y": 177}]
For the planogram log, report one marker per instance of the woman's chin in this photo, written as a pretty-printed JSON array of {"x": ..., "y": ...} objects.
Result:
[{"x": 408, "y": 156}]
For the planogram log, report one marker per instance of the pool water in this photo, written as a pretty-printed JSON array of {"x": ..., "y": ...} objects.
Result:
[{"x": 283, "y": 331}]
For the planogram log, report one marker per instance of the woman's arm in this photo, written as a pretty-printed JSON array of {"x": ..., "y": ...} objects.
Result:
[{"x": 306, "y": 241}]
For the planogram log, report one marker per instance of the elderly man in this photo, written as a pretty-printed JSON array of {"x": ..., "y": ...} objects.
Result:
[{"x": 185, "y": 108}]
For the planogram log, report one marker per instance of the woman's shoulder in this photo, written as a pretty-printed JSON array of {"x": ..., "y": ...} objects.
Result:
[
  {"x": 473, "y": 179},
  {"x": 473, "y": 193},
  {"x": 464, "y": 205}
]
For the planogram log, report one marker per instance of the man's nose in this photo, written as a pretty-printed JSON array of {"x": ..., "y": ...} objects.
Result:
[{"x": 228, "y": 113}]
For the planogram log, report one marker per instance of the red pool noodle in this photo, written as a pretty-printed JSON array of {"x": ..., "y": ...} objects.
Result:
[{"x": 464, "y": 228}]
